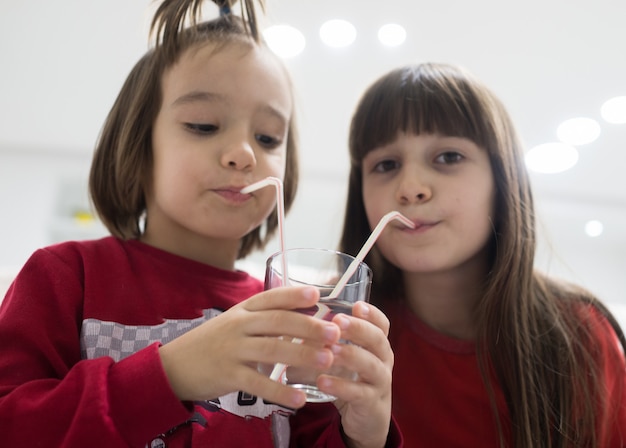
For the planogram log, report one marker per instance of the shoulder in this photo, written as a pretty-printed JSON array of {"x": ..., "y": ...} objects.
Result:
[
  {"x": 586, "y": 316},
  {"x": 74, "y": 256},
  {"x": 59, "y": 269},
  {"x": 599, "y": 331},
  {"x": 73, "y": 251},
  {"x": 108, "y": 243}
]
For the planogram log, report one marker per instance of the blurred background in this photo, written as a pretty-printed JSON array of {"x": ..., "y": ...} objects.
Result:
[{"x": 550, "y": 62}]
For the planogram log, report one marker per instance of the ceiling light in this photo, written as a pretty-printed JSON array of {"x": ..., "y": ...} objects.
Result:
[
  {"x": 337, "y": 33},
  {"x": 284, "y": 40},
  {"x": 551, "y": 158},
  {"x": 594, "y": 228},
  {"x": 578, "y": 131},
  {"x": 392, "y": 35},
  {"x": 614, "y": 110}
]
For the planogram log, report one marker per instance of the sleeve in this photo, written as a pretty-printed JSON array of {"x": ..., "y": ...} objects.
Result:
[
  {"x": 48, "y": 395},
  {"x": 318, "y": 425}
]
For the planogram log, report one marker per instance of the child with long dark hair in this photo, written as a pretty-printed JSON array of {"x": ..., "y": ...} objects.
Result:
[{"x": 488, "y": 351}]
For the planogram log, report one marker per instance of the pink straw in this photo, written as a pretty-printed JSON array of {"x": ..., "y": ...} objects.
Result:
[
  {"x": 367, "y": 246},
  {"x": 279, "y": 369},
  {"x": 280, "y": 210}
]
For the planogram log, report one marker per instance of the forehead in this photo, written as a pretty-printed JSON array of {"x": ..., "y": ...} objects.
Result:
[{"x": 239, "y": 72}]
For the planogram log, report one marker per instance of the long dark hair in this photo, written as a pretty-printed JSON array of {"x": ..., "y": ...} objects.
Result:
[
  {"x": 122, "y": 162},
  {"x": 532, "y": 332}
]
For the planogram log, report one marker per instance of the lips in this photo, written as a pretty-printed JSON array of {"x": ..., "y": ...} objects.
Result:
[
  {"x": 232, "y": 194},
  {"x": 420, "y": 226}
]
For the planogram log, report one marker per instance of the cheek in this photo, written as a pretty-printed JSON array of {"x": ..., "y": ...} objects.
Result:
[
  {"x": 275, "y": 165},
  {"x": 280, "y": 167},
  {"x": 480, "y": 197},
  {"x": 471, "y": 206},
  {"x": 169, "y": 171},
  {"x": 476, "y": 216}
]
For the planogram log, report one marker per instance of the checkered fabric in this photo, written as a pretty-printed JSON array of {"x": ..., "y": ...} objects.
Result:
[{"x": 100, "y": 338}]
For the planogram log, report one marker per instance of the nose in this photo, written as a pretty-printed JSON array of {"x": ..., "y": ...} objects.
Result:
[
  {"x": 413, "y": 187},
  {"x": 238, "y": 154}
]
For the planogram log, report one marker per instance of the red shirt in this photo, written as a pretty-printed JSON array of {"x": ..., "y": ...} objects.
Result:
[
  {"x": 79, "y": 366},
  {"x": 439, "y": 399}
]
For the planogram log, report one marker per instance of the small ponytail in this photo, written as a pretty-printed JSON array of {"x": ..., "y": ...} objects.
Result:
[
  {"x": 179, "y": 19},
  {"x": 248, "y": 14}
]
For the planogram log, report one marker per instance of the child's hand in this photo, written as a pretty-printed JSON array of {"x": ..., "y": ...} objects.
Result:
[
  {"x": 365, "y": 404},
  {"x": 221, "y": 355}
]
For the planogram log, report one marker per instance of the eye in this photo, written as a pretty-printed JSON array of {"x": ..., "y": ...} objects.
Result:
[
  {"x": 201, "y": 128},
  {"x": 385, "y": 166},
  {"x": 449, "y": 158},
  {"x": 267, "y": 142}
]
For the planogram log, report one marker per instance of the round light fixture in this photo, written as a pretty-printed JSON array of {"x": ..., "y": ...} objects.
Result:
[
  {"x": 594, "y": 228},
  {"x": 614, "y": 110},
  {"x": 284, "y": 40},
  {"x": 392, "y": 35},
  {"x": 551, "y": 158},
  {"x": 337, "y": 33},
  {"x": 578, "y": 131}
]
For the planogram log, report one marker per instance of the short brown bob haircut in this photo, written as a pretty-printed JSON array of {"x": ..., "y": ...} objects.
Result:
[{"x": 121, "y": 169}]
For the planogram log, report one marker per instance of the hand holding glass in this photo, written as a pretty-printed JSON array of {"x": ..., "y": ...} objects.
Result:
[{"x": 322, "y": 269}]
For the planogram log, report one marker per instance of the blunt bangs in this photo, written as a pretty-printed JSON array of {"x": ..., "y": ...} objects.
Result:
[{"x": 429, "y": 100}]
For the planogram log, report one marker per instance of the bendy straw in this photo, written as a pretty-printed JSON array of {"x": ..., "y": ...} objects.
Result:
[
  {"x": 280, "y": 210},
  {"x": 367, "y": 246},
  {"x": 280, "y": 369}
]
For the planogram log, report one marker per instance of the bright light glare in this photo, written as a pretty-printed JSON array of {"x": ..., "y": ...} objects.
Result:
[
  {"x": 578, "y": 131},
  {"x": 284, "y": 40},
  {"x": 594, "y": 228},
  {"x": 551, "y": 158},
  {"x": 392, "y": 35},
  {"x": 614, "y": 110},
  {"x": 337, "y": 33}
]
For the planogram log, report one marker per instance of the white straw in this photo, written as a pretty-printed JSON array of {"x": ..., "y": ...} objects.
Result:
[
  {"x": 279, "y": 369},
  {"x": 280, "y": 210},
  {"x": 367, "y": 246}
]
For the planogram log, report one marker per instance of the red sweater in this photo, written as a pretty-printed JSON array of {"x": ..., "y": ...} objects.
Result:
[
  {"x": 439, "y": 399},
  {"x": 79, "y": 366}
]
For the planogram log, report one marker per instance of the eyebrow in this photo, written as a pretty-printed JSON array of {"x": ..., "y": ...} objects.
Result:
[
  {"x": 197, "y": 96},
  {"x": 201, "y": 96}
]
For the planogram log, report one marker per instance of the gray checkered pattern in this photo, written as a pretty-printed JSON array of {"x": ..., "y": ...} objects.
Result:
[{"x": 101, "y": 338}]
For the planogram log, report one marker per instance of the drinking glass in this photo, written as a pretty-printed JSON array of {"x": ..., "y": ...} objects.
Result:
[{"x": 321, "y": 268}]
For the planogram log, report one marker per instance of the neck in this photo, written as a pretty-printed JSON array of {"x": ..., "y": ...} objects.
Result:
[
  {"x": 446, "y": 301},
  {"x": 214, "y": 252}
]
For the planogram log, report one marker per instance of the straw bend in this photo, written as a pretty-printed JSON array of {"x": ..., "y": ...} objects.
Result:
[
  {"x": 368, "y": 245},
  {"x": 280, "y": 210}
]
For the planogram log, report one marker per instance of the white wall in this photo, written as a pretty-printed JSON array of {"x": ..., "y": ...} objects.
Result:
[
  {"x": 38, "y": 193},
  {"x": 63, "y": 63}
]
